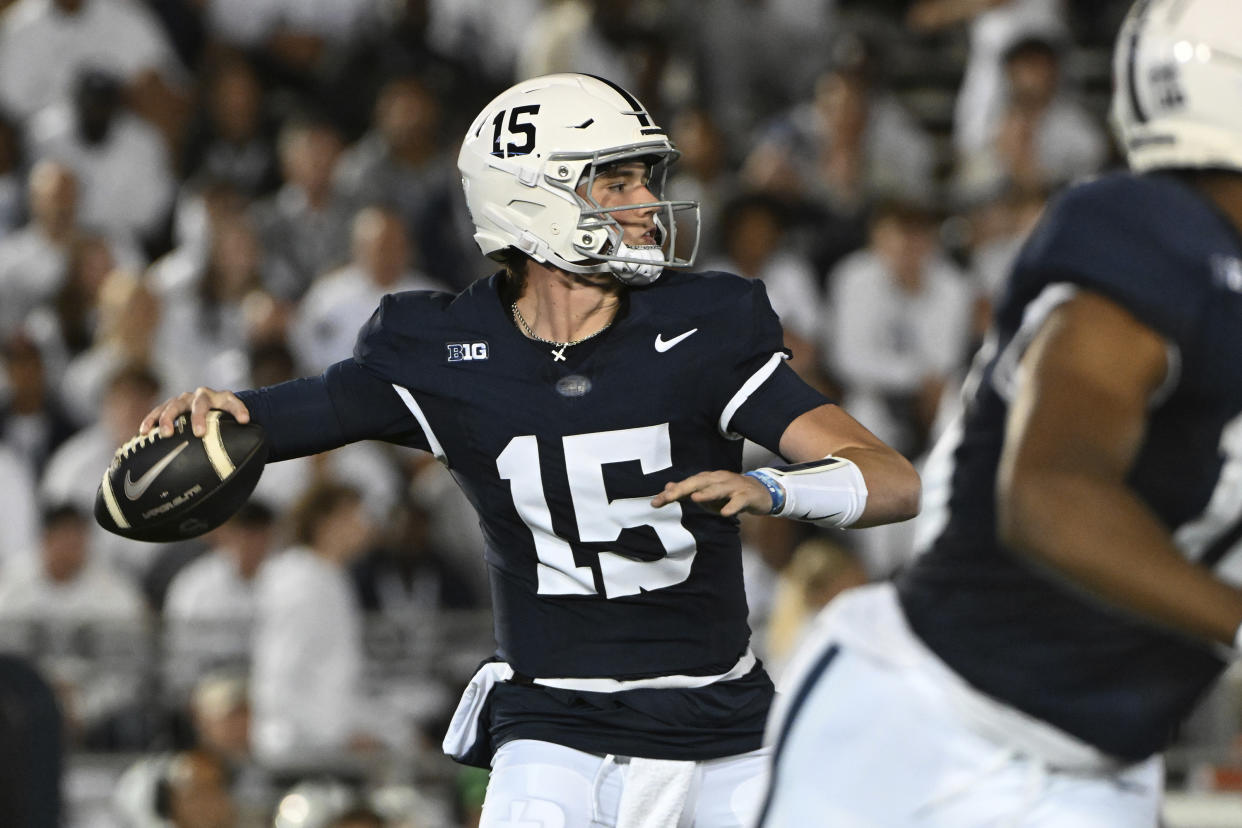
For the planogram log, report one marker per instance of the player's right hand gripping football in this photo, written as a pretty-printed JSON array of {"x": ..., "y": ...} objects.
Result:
[{"x": 197, "y": 402}]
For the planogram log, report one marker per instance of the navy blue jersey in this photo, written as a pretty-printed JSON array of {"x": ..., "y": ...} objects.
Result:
[
  {"x": 561, "y": 459},
  {"x": 1161, "y": 250}
]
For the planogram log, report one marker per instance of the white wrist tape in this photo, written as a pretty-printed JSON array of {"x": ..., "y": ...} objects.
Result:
[{"x": 829, "y": 492}]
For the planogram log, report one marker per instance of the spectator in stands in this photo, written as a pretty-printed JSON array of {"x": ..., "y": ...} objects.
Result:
[
  {"x": 32, "y": 422},
  {"x": 994, "y": 26},
  {"x": 65, "y": 327},
  {"x": 1043, "y": 138},
  {"x": 229, "y": 139},
  {"x": 597, "y": 37},
  {"x": 73, "y": 473},
  {"x": 402, "y": 163},
  {"x": 128, "y": 317},
  {"x": 307, "y": 694},
  {"x": 304, "y": 227},
  {"x": 33, "y": 258},
  {"x": 44, "y": 44},
  {"x": 297, "y": 37},
  {"x": 851, "y": 144},
  {"x": 773, "y": 50},
  {"x": 753, "y": 229},
  {"x": 123, "y": 166},
  {"x": 209, "y": 609},
  {"x": 82, "y": 619},
  {"x": 220, "y": 716},
  {"x": 193, "y": 792},
  {"x": 204, "y": 316},
  {"x": 703, "y": 174},
  {"x": 339, "y": 303},
  {"x": 899, "y": 326}
]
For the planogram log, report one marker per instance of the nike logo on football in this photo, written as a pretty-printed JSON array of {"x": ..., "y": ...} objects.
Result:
[
  {"x": 135, "y": 488},
  {"x": 662, "y": 344}
]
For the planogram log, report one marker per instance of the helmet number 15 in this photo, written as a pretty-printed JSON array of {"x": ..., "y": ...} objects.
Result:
[{"x": 516, "y": 128}]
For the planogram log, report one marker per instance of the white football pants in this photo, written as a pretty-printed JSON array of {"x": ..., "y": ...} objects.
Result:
[
  {"x": 871, "y": 737},
  {"x": 537, "y": 784}
]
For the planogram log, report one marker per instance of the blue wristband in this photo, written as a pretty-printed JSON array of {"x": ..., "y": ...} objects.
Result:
[{"x": 775, "y": 489}]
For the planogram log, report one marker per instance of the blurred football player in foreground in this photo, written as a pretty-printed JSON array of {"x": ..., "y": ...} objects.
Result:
[
  {"x": 594, "y": 417},
  {"x": 1081, "y": 590}
]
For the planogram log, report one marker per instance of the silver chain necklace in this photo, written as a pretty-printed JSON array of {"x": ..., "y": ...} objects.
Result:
[{"x": 558, "y": 350}]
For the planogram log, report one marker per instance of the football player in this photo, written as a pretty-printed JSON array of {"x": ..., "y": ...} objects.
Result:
[
  {"x": 1081, "y": 591},
  {"x": 592, "y": 405}
]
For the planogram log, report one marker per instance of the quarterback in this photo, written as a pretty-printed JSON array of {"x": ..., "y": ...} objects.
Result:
[{"x": 591, "y": 401}]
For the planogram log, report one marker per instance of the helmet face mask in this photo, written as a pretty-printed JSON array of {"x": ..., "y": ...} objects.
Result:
[
  {"x": 529, "y": 165},
  {"x": 1178, "y": 80}
]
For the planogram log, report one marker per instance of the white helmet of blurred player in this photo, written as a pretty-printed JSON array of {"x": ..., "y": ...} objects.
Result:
[
  {"x": 1178, "y": 85},
  {"x": 533, "y": 151}
]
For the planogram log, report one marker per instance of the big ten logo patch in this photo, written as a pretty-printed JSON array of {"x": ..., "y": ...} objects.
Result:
[{"x": 466, "y": 351}]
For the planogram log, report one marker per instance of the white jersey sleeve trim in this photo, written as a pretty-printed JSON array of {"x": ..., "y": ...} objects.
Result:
[
  {"x": 406, "y": 397},
  {"x": 743, "y": 394}
]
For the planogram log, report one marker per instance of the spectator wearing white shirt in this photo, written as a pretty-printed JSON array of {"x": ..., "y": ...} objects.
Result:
[
  {"x": 307, "y": 694},
  {"x": 210, "y": 606},
  {"x": 339, "y": 304},
  {"x": 44, "y": 44},
  {"x": 62, "y": 591},
  {"x": 128, "y": 317},
  {"x": 123, "y": 166},
  {"x": 73, "y": 472},
  {"x": 203, "y": 310},
  {"x": 899, "y": 326},
  {"x": 1044, "y": 137},
  {"x": 34, "y": 258},
  {"x": 850, "y": 145}
]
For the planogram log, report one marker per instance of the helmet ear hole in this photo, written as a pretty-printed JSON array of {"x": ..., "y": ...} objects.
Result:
[{"x": 591, "y": 241}]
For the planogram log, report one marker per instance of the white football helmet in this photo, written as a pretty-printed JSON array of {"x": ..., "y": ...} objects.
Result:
[
  {"x": 1177, "y": 93},
  {"x": 532, "y": 149}
]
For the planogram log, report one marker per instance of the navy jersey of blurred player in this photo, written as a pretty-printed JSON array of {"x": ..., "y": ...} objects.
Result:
[
  {"x": 1157, "y": 247},
  {"x": 594, "y": 417},
  {"x": 1042, "y": 654}
]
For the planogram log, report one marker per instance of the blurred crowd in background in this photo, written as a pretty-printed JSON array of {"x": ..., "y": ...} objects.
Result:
[{"x": 218, "y": 192}]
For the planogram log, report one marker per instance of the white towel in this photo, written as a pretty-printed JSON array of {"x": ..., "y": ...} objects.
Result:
[
  {"x": 464, "y": 726},
  {"x": 655, "y": 794}
]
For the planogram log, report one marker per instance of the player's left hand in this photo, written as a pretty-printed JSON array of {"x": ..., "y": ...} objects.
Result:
[{"x": 723, "y": 492}]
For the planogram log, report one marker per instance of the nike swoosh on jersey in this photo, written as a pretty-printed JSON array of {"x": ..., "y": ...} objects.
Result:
[
  {"x": 662, "y": 344},
  {"x": 135, "y": 488}
]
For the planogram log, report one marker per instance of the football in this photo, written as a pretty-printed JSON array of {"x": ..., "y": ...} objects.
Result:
[{"x": 164, "y": 489}]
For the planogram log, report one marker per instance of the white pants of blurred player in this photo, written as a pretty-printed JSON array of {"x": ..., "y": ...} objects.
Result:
[
  {"x": 871, "y": 729},
  {"x": 537, "y": 784}
]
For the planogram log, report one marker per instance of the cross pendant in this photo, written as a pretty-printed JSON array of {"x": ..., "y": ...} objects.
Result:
[{"x": 558, "y": 354}]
